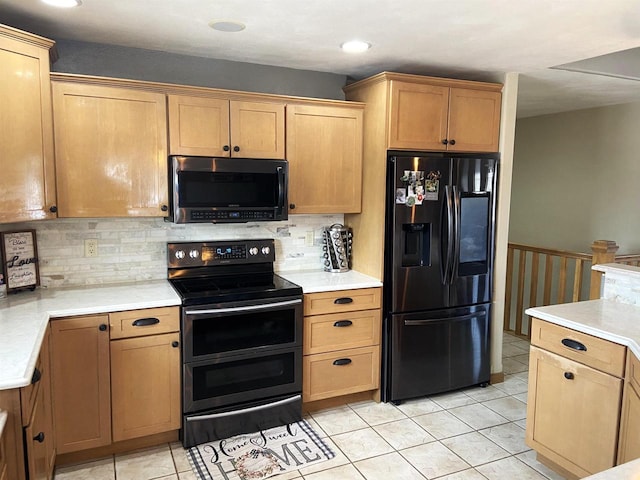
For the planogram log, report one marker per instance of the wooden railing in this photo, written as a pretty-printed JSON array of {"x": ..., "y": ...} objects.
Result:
[{"x": 542, "y": 276}]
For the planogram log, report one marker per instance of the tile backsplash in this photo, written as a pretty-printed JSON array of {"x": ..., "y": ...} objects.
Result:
[{"x": 135, "y": 249}]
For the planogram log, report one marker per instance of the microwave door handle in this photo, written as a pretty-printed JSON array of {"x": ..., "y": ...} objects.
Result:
[{"x": 281, "y": 188}]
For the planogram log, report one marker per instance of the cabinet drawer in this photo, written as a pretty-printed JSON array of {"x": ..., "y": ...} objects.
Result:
[
  {"x": 342, "y": 301},
  {"x": 337, "y": 331},
  {"x": 339, "y": 373},
  {"x": 150, "y": 321},
  {"x": 595, "y": 352}
]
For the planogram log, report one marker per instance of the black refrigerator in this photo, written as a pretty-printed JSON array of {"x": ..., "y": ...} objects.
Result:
[{"x": 439, "y": 248}]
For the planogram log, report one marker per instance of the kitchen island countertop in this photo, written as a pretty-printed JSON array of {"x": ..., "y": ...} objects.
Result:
[{"x": 607, "y": 319}]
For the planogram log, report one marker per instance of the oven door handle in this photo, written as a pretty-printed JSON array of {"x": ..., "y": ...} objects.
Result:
[
  {"x": 244, "y": 410},
  {"x": 245, "y": 308}
]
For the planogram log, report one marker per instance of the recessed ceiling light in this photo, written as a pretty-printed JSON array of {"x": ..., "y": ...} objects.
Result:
[
  {"x": 355, "y": 46},
  {"x": 227, "y": 26},
  {"x": 63, "y": 3}
]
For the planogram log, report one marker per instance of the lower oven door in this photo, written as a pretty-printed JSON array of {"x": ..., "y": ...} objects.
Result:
[{"x": 241, "y": 378}]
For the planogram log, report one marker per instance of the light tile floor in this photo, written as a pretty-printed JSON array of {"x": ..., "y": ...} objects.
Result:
[{"x": 473, "y": 434}]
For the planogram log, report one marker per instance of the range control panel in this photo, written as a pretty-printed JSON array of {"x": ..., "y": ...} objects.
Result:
[{"x": 219, "y": 252}]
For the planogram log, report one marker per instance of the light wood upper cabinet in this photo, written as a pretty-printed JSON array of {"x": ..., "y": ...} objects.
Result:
[
  {"x": 81, "y": 382},
  {"x": 111, "y": 151},
  {"x": 26, "y": 133},
  {"x": 324, "y": 150},
  {"x": 418, "y": 116},
  {"x": 474, "y": 120},
  {"x": 436, "y": 117},
  {"x": 225, "y": 128}
]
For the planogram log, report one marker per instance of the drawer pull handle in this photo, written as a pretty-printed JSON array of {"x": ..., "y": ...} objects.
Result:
[
  {"x": 567, "y": 342},
  {"x": 37, "y": 375},
  {"x": 343, "y": 323},
  {"x": 145, "y": 322},
  {"x": 568, "y": 375},
  {"x": 39, "y": 437},
  {"x": 342, "y": 361},
  {"x": 343, "y": 300}
]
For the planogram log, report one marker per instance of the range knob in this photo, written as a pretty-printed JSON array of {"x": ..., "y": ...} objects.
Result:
[
  {"x": 194, "y": 253},
  {"x": 180, "y": 254},
  {"x": 266, "y": 250},
  {"x": 253, "y": 251}
]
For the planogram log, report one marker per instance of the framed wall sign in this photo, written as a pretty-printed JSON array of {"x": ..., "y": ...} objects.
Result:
[{"x": 20, "y": 260}]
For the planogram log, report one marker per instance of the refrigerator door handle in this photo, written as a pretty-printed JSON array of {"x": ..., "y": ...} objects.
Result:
[
  {"x": 456, "y": 231},
  {"x": 448, "y": 265},
  {"x": 429, "y": 321}
]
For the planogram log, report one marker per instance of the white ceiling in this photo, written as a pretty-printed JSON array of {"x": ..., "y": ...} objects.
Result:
[{"x": 472, "y": 39}]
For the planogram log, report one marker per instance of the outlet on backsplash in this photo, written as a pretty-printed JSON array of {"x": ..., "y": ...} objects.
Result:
[
  {"x": 91, "y": 247},
  {"x": 308, "y": 238}
]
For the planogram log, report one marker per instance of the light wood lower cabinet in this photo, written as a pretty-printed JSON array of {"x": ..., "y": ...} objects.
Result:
[
  {"x": 145, "y": 387},
  {"x": 341, "y": 343},
  {"x": 629, "y": 446},
  {"x": 106, "y": 391},
  {"x": 573, "y": 408},
  {"x": 81, "y": 382}
]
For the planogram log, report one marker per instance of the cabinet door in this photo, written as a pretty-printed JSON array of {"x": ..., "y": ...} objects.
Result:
[
  {"x": 629, "y": 426},
  {"x": 418, "y": 116},
  {"x": 324, "y": 150},
  {"x": 474, "y": 120},
  {"x": 198, "y": 126},
  {"x": 38, "y": 440},
  {"x": 111, "y": 151},
  {"x": 80, "y": 376},
  {"x": 572, "y": 413},
  {"x": 27, "y": 181},
  {"x": 257, "y": 130},
  {"x": 145, "y": 385}
]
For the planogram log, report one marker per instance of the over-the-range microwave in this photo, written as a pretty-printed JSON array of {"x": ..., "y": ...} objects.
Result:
[{"x": 227, "y": 190}]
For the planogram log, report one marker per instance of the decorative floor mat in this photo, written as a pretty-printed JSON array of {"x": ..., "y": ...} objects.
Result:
[{"x": 255, "y": 456}]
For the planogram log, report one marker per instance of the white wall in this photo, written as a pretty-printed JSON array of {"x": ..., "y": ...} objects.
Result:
[
  {"x": 576, "y": 179},
  {"x": 135, "y": 249}
]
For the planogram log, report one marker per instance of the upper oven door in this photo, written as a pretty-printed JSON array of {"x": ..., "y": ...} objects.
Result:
[
  {"x": 205, "y": 188},
  {"x": 230, "y": 329}
]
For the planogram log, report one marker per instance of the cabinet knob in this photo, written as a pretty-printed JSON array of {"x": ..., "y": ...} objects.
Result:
[
  {"x": 445, "y": 141},
  {"x": 39, "y": 437},
  {"x": 175, "y": 344},
  {"x": 225, "y": 148},
  {"x": 236, "y": 148},
  {"x": 164, "y": 208},
  {"x": 452, "y": 142},
  {"x": 37, "y": 375},
  {"x": 292, "y": 206},
  {"x": 568, "y": 375},
  {"x": 102, "y": 327},
  {"x": 53, "y": 208}
]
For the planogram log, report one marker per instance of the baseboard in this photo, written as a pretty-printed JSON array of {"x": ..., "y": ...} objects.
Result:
[
  {"x": 496, "y": 378},
  {"x": 119, "y": 447},
  {"x": 342, "y": 400}
]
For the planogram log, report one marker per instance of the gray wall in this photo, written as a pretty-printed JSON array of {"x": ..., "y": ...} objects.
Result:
[
  {"x": 135, "y": 63},
  {"x": 575, "y": 179}
]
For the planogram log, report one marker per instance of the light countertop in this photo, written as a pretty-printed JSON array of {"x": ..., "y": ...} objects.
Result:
[
  {"x": 314, "y": 281},
  {"x": 24, "y": 317},
  {"x": 618, "y": 322}
]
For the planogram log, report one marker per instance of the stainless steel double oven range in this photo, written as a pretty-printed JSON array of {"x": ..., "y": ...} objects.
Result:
[{"x": 241, "y": 339}]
